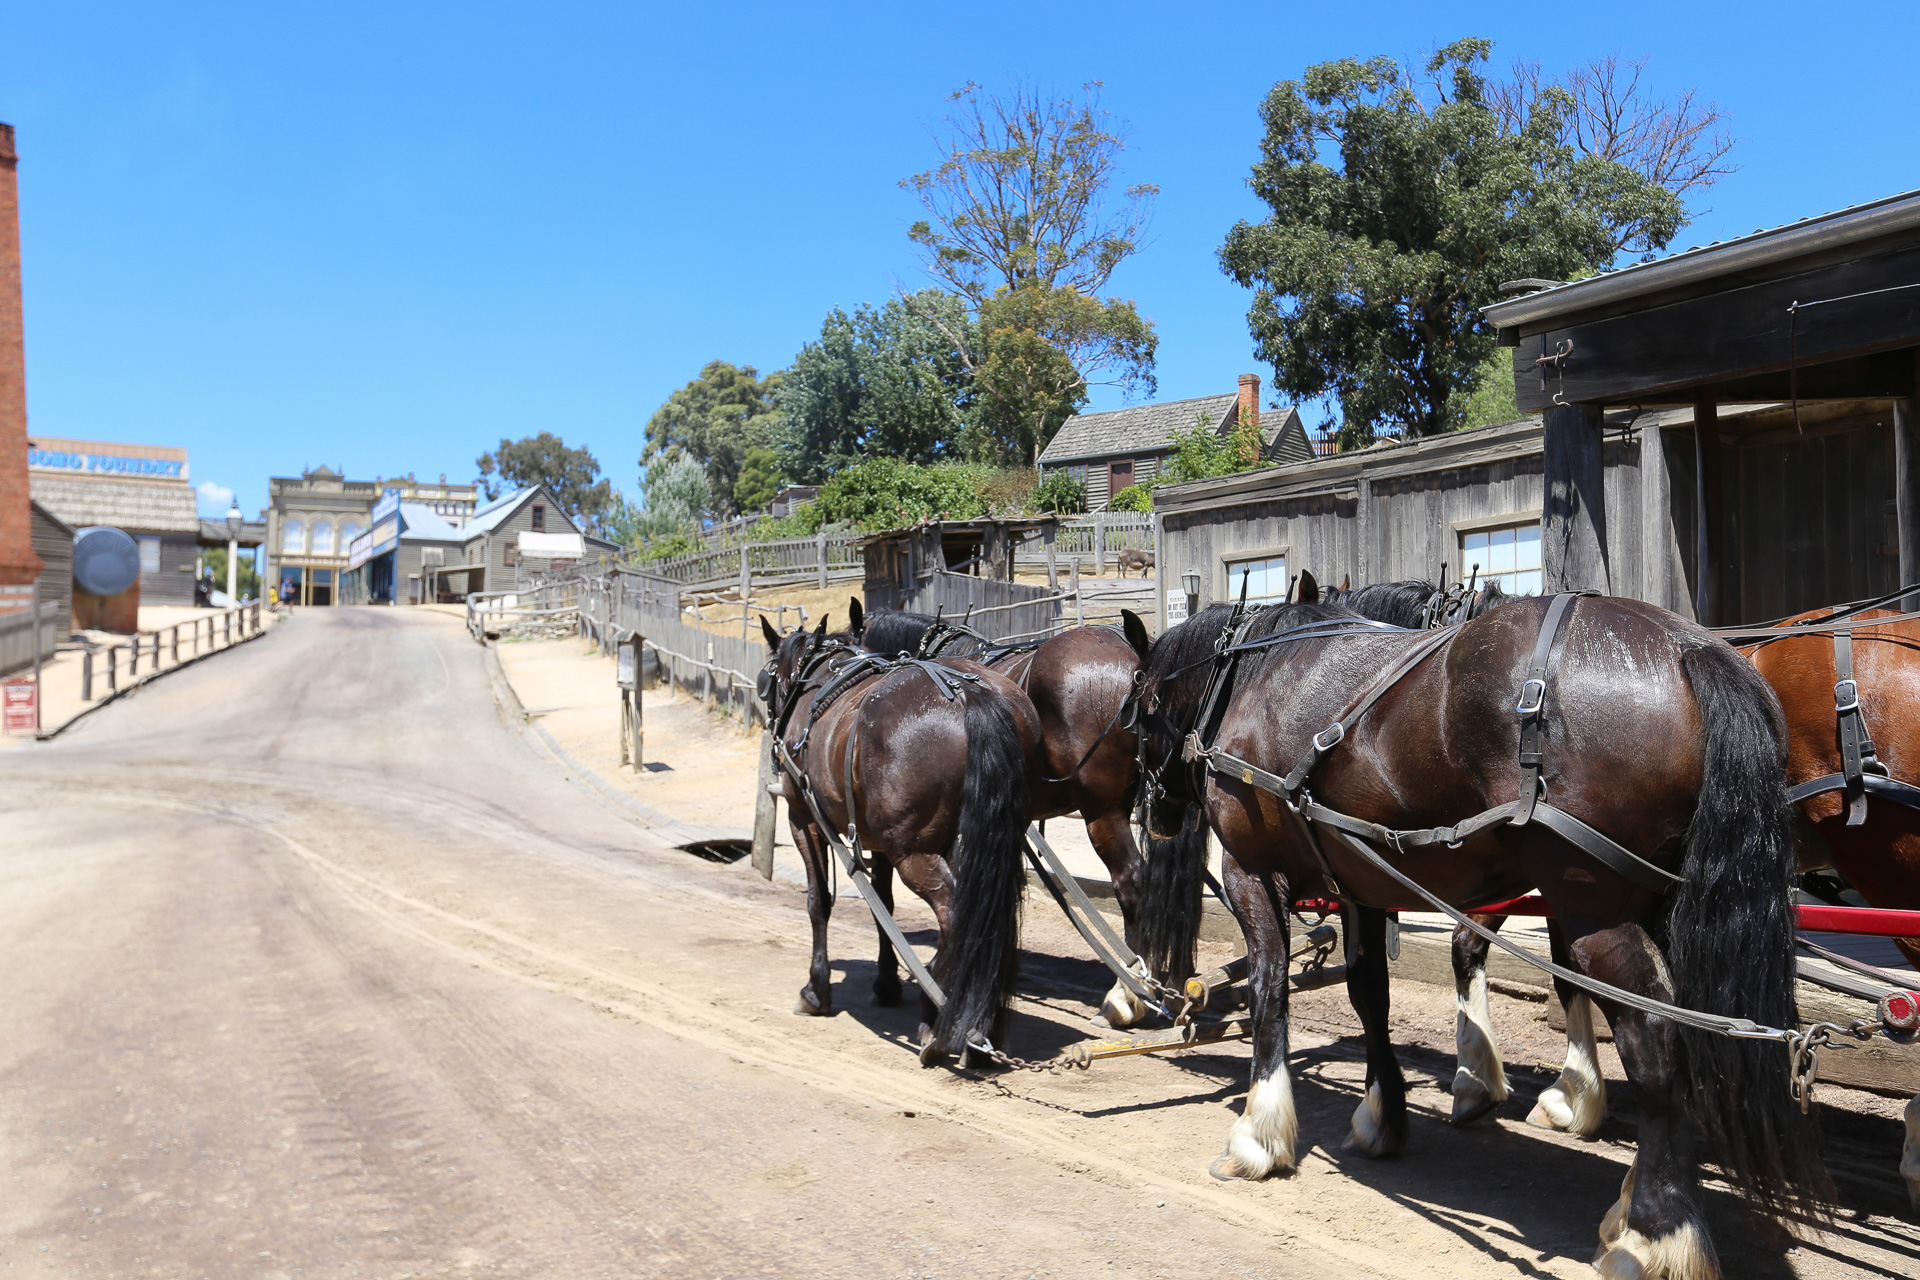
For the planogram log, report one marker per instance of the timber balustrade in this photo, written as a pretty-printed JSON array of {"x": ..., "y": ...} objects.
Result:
[{"x": 233, "y": 626}]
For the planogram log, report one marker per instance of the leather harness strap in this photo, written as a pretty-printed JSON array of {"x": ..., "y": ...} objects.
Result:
[
  {"x": 1532, "y": 706},
  {"x": 1530, "y": 807},
  {"x": 1856, "y": 743}
]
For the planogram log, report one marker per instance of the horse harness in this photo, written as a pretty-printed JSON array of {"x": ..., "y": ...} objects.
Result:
[
  {"x": 1530, "y": 807},
  {"x": 1861, "y": 771}
]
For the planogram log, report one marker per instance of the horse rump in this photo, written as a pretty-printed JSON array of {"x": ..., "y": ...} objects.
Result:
[
  {"x": 979, "y": 956},
  {"x": 1730, "y": 943}
]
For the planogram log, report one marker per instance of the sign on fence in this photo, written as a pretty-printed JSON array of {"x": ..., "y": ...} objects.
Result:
[{"x": 21, "y": 702}]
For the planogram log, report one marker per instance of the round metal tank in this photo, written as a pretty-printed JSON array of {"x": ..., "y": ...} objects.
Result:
[{"x": 105, "y": 561}]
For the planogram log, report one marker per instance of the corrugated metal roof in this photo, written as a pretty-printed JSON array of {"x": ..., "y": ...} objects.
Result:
[
  {"x": 424, "y": 524},
  {"x": 1699, "y": 262},
  {"x": 486, "y": 518}
]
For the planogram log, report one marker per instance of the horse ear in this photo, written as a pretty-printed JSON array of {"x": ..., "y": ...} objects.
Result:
[
  {"x": 1309, "y": 589},
  {"x": 1136, "y": 632},
  {"x": 773, "y": 637},
  {"x": 856, "y": 616},
  {"x": 1344, "y": 580}
]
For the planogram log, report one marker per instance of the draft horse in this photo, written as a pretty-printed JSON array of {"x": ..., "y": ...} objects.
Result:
[
  {"x": 927, "y": 768},
  {"x": 1081, "y": 683},
  {"x": 1853, "y": 763},
  {"x": 1605, "y": 752}
]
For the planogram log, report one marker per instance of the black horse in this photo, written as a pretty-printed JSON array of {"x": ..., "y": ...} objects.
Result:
[{"x": 1638, "y": 727}]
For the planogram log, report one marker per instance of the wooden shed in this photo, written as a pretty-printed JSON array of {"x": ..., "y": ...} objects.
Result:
[{"x": 956, "y": 565}]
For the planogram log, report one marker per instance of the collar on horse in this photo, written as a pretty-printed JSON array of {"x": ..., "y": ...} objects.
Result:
[{"x": 1529, "y": 807}]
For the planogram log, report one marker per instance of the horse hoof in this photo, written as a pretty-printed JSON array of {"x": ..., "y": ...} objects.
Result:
[
  {"x": 932, "y": 1055},
  {"x": 1371, "y": 1135},
  {"x": 1100, "y": 1020},
  {"x": 808, "y": 1007},
  {"x": 886, "y": 997},
  {"x": 1229, "y": 1169},
  {"x": 1468, "y": 1109},
  {"x": 1551, "y": 1113}
]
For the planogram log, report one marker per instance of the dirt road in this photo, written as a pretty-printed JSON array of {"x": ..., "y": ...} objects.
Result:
[{"x": 314, "y": 967}]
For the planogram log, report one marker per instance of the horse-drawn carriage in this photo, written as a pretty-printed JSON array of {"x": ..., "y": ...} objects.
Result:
[{"x": 1389, "y": 749}]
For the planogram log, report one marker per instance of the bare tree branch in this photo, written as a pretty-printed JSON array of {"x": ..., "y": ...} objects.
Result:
[{"x": 1025, "y": 195}]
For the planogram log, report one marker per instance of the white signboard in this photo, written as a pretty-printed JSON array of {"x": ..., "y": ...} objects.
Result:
[
  {"x": 1176, "y": 606},
  {"x": 552, "y": 546}
]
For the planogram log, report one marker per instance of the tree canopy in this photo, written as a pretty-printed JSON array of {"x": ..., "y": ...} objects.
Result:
[
  {"x": 1399, "y": 208},
  {"x": 885, "y": 381},
  {"x": 716, "y": 419},
  {"x": 1024, "y": 195},
  {"x": 1034, "y": 354},
  {"x": 567, "y": 473}
]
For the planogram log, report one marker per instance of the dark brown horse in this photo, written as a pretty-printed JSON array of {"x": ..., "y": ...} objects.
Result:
[
  {"x": 1879, "y": 856},
  {"x": 935, "y": 769},
  {"x": 1081, "y": 683},
  {"x": 1644, "y": 730}
]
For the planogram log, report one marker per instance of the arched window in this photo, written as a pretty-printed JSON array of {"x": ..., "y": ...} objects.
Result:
[
  {"x": 322, "y": 538},
  {"x": 293, "y": 537},
  {"x": 349, "y": 530}
]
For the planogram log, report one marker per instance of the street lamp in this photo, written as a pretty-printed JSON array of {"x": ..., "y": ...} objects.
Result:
[
  {"x": 234, "y": 521},
  {"x": 1191, "y": 581}
]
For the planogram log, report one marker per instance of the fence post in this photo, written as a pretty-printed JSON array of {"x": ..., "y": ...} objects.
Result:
[
  {"x": 1052, "y": 536},
  {"x": 1079, "y": 614},
  {"x": 766, "y": 810},
  {"x": 1099, "y": 544},
  {"x": 746, "y": 573},
  {"x": 706, "y": 692},
  {"x": 820, "y": 550},
  {"x": 86, "y": 676}
]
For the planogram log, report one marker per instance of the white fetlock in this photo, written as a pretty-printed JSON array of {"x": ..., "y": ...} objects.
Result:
[
  {"x": 1480, "y": 1073},
  {"x": 1261, "y": 1141},
  {"x": 1682, "y": 1254},
  {"x": 1577, "y": 1101},
  {"x": 1122, "y": 1008},
  {"x": 1910, "y": 1153},
  {"x": 1369, "y": 1125}
]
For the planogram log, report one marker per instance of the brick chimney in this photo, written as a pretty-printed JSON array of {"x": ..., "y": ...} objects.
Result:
[
  {"x": 19, "y": 566},
  {"x": 1249, "y": 406}
]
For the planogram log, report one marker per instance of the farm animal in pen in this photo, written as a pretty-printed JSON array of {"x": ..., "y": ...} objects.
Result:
[{"x": 1131, "y": 560}]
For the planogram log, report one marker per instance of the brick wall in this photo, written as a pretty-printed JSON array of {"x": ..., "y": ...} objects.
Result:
[{"x": 18, "y": 563}]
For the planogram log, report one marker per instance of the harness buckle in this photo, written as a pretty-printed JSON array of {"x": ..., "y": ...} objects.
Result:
[
  {"x": 1846, "y": 696},
  {"x": 1191, "y": 749},
  {"x": 1533, "y": 696},
  {"x": 1323, "y": 743}
]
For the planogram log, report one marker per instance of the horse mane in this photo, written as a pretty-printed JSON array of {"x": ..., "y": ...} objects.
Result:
[
  {"x": 901, "y": 631},
  {"x": 1182, "y": 648},
  {"x": 1399, "y": 603},
  {"x": 1489, "y": 598}
]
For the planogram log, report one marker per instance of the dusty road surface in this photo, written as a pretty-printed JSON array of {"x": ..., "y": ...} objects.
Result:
[{"x": 315, "y": 967}]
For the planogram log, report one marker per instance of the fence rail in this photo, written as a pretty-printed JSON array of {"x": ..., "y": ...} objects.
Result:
[
  {"x": 822, "y": 558},
  {"x": 224, "y": 630},
  {"x": 1097, "y": 538}
]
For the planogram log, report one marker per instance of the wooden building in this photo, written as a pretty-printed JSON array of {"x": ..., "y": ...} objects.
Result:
[
  {"x": 1106, "y": 452},
  {"x": 954, "y": 566},
  {"x": 1813, "y": 501},
  {"x": 1691, "y": 415}
]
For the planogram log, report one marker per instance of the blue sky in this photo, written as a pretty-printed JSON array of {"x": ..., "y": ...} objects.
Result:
[{"x": 383, "y": 236}]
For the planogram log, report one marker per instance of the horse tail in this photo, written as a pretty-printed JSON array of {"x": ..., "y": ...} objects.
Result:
[
  {"x": 979, "y": 956},
  {"x": 1169, "y": 912},
  {"x": 1730, "y": 934}
]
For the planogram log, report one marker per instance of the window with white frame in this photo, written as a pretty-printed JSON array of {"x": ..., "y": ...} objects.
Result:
[
  {"x": 1265, "y": 579},
  {"x": 1506, "y": 554},
  {"x": 293, "y": 537},
  {"x": 149, "y": 555},
  {"x": 322, "y": 538}
]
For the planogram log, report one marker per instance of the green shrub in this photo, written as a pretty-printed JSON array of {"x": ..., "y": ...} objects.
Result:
[
  {"x": 664, "y": 546},
  {"x": 1060, "y": 493},
  {"x": 1135, "y": 497}
]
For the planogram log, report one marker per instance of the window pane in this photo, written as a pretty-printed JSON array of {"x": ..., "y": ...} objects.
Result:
[
  {"x": 323, "y": 539},
  {"x": 1526, "y": 584},
  {"x": 1500, "y": 551},
  {"x": 293, "y": 537},
  {"x": 1475, "y": 545},
  {"x": 149, "y": 555},
  {"x": 1527, "y": 547}
]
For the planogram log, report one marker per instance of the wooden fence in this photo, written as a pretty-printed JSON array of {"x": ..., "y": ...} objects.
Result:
[
  {"x": 164, "y": 649},
  {"x": 721, "y": 669},
  {"x": 820, "y": 559},
  {"x": 1096, "y": 539},
  {"x": 18, "y": 632}
]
